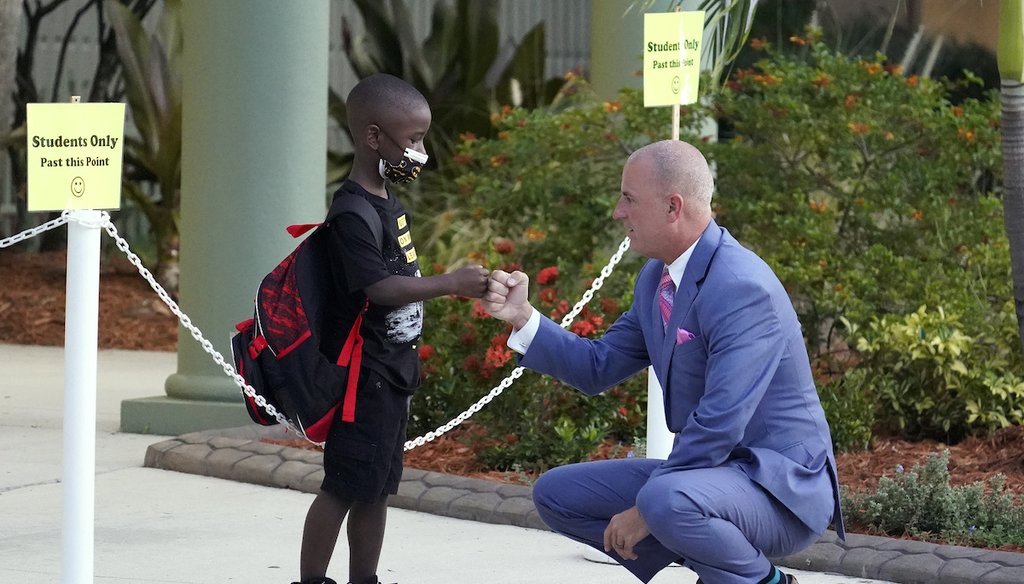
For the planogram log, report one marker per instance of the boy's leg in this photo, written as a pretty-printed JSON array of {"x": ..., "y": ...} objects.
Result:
[
  {"x": 320, "y": 534},
  {"x": 351, "y": 480},
  {"x": 363, "y": 464},
  {"x": 366, "y": 523}
]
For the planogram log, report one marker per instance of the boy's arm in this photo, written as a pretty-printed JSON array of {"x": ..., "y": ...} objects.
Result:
[{"x": 470, "y": 281}]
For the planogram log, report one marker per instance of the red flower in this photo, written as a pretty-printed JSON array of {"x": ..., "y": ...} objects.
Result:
[
  {"x": 560, "y": 310},
  {"x": 609, "y": 306},
  {"x": 478, "y": 311},
  {"x": 426, "y": 352},
  {"x": 497, "y": 356},
  {"x": 471, "y": 363},
  {"x": 548, "y": 295},
  {"x": 583, "y": 328},
  {"x": 504, "y": 246},
  {"x": 548, "y": 275}
]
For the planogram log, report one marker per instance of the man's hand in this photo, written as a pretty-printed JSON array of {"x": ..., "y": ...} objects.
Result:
[
  {"x": 506, "y": 297},
  {"x": 624, "y": 531},
  {"x": 470, "y": 281}
]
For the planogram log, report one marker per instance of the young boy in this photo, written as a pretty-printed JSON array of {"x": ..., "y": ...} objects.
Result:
[{"x": 388, "y": 119}]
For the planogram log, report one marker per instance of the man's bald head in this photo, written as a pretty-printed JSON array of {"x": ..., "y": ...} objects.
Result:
[{"x": 679, "y": 167}]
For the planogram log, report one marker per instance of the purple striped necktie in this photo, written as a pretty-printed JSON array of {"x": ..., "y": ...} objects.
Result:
[{"x": 666, "y": 295}]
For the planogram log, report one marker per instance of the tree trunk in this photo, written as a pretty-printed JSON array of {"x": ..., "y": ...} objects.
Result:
[
  {"x": 10, "y": 19},
  {"x": 1010, "y": 54},
  {"x": 1012, "y": 130}
]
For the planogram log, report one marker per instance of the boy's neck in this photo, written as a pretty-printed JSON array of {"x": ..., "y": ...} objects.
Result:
[{"x": 368, "y": 179}]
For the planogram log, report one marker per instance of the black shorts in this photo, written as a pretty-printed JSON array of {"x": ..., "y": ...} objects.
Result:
[{"x": 363, "y": 459}]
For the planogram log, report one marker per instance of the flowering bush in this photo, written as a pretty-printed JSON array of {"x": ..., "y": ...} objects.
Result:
[
  {"x": 866, "y": 191},
  {"x": 544, "y": 422},
  {"x": 871, "y": 195}
]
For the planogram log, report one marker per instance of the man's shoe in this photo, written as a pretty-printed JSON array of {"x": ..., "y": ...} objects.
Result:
[
  {"x": 324, "y": 580},
  {"x": 792, "y": 580}
]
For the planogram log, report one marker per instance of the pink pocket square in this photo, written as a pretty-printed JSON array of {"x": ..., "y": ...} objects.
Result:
[{"x": 684, "y": 336}]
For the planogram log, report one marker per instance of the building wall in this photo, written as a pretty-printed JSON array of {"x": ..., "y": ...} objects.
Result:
[
  {"x": 965, "y": 21},
  {"x": 567, "y": 26}
]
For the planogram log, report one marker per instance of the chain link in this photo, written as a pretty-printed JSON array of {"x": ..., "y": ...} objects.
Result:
[
  {"x": 229, "y": 370},
  {"x": 38, "y": 230}
]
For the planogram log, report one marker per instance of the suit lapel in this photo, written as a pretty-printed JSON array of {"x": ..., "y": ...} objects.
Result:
[{"x": 693, "y": 275}]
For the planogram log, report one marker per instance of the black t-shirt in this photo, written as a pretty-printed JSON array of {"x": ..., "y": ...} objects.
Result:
[{"x": 390, "y": 333}]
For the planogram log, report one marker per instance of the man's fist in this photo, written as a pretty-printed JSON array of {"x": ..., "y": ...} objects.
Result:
[{"x": 506, "y": 297}]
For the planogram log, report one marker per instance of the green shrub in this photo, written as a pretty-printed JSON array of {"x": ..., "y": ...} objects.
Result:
[
  {"x": 850, "y": 410},
  {"x": 870, "y": 195},
  {"x": 930, "y": 379},
  {"x": 539, "y": 198},
  {"x": 867, "y": 192},
  {"x": 922, "y": 503}
]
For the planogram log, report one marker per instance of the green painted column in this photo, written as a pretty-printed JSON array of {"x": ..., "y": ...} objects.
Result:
[
  {"x": 616, "y": 45},
  {"x": 253, "y": 161}
]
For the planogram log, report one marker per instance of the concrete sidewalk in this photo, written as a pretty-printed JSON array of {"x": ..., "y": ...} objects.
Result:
[{"x": 154, "y": 525}]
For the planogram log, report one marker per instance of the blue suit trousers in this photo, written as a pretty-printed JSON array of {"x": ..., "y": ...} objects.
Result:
[{"x": 716, "y": 521}]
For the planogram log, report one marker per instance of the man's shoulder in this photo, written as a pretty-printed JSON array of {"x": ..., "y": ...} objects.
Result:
[{"x": 736, "y": 271}]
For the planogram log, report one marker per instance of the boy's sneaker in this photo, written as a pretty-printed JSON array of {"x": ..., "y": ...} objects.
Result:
[{"x": 324, "y": 580}]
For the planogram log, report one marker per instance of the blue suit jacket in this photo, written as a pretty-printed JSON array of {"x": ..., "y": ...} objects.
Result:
[{"x": 739, "y": 391}]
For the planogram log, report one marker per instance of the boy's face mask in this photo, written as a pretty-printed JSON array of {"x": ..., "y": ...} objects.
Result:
[{"x": 407, "y": 169}]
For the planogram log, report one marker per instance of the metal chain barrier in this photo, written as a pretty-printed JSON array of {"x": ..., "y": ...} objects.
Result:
[
  {"x": 38, "y": 230},
  {"x": 229, "y": 370},
  {"x": 518, "y": 371},
  {"x": 122, "y": 244}
]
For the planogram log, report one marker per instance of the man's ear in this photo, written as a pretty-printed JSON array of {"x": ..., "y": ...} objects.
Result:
[{"x": 676, "y": 206}]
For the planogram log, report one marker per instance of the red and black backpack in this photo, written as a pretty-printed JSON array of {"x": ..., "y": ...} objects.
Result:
[{"x": 277, "y": 351}]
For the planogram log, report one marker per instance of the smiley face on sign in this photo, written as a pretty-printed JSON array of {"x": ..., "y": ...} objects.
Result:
[
  {"x": 676, "y": 84},
  {"x": 77, "y": 186}
]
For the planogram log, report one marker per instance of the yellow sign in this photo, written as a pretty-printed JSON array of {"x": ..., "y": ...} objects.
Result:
[
  {"x": 74, "y": 155},
  {"x": 672, "y": 43}
]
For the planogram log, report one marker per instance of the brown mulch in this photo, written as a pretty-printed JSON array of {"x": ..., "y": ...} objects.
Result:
[{"x": 32, "y": 304}]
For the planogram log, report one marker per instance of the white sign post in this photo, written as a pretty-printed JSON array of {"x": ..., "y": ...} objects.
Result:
[
  {"x": 74, "y": 158},
  {"x": 81, "y": 331},
  {"x": 671, "y": 78},
  {"x": 672, "y": 47}
]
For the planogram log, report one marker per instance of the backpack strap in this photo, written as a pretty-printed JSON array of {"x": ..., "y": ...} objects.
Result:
[
  {"x": 352, "y": 352},
  {"x": 353, "y": 203},
  {"x": 352, "y": 357}
]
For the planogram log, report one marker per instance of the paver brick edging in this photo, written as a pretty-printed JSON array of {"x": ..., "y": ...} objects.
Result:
[{"x": 239, "y": 454}]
